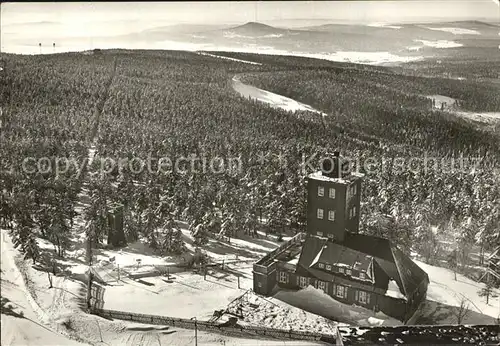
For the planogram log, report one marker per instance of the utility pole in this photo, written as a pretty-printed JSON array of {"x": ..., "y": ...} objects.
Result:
[
  {"x": 40, "y": 47},
  {"x": 195, "y": 331},
  {"x": 53, "y": 47}
]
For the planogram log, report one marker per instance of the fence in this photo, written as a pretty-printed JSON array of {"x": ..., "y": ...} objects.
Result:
[{"x": 237, "y": 330}]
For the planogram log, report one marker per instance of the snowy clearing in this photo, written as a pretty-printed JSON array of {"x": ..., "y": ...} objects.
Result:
[
  {"x": 385, "y": 25},
  {"x": 24, "y": 321},
  {"x": 457, "y": 31},
  {"x": 231, "y": 34},
  {"x": 369, "y": 58},
  {"x": 228, "y": 58},
  {"x": 274, "y": 100},
  {"x": 484, "y": 117},
  {"x": 440, "y": 44},
  {"x": 60, "y": 306},
  {"x": 448, "y": 293}
]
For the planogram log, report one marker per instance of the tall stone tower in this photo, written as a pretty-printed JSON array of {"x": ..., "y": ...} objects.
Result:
[{"x": 333, "y": 199}]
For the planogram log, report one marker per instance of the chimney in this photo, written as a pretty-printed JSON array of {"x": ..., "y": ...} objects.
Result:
[{"x": 335, "y": 166}]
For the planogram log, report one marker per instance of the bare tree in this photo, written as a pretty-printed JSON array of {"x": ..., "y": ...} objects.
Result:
[{"x": 463, "y": 311}]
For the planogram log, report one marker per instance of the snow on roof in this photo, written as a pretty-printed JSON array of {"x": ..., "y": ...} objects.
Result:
[
  {"x": 318, "y": 256},
  {"x": 346, "y": 180},
  {"x": 320, "y": 176},
  {"x": 394, "y": 291}
]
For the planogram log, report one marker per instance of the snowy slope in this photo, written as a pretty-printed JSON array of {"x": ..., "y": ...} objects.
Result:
[
  {"x": 23, "y": 321},
  {"x": 444, "y": 294}
]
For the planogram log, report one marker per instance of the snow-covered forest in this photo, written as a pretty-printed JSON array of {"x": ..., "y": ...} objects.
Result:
[{"x": 173, "y": 104}]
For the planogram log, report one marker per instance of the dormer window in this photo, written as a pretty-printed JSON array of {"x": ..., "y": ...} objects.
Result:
[
  {"x": 321, "y": 191},
  {"x": 331, "y": 215},
  {"x": 362, "y": 276},
  {"x": 321, "y": 265},
  {"x": 331, "y": 193},
  {"x": 328, "y": 267},
  {"x": 319, "y": 213},
  {"x": 341, "y": 270},
  {"x": 348, "y": 272}
]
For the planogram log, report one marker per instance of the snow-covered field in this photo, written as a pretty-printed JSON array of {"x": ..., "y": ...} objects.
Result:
[
  {"x": 444, "y": 294},
  {"x": 485, "y": 117},
  {"x": 228, "y": 58},
  {"x": 457, "y": 31},
  {"x": 184, "y": 295},
  {"x": 35, "y": 315},
  {"x": 385, "y": 25},
  {"x": 24, "y": 321},
  {"x": 439, "y": 44},
  {"x": 272, "y": 99}
]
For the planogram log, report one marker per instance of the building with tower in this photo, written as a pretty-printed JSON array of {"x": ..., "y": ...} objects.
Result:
[{"x": 333, "y": 256}]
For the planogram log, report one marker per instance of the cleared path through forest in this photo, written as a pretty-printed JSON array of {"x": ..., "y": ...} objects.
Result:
[{"x": 272, "y": 99}]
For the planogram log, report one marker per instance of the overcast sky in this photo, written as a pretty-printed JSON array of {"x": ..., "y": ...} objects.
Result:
[{"x": 240, "y": 12}]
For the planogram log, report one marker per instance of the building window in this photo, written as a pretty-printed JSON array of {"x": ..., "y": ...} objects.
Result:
[
  {"x": 320, "y": 213},
  {"x": 331, "y": 192},
  {"x": 303, "y": 281},
  {"x": 321, "y": 265},
  {"x": 321, "y": 191},
  {"x": 330, "y": 235},
  {"x": 320, "y": 234},
  {"x": 348, "y": 271},
  {"x": 341, "y": 291},
  {"x": 331, "y": 215},
  {"x": 362, "y": 276},
  {"x": 259, "y": 284},
  {"x": 341, "y": 270},
  {"x": 283, "y": 277},
  {"x": 328, "y": 267},
  {"x": 353, "y": 190},
  {"x": 322, "y": 285},
  {"x": 363, "y": 297},
  {"x": 352, "y": 212}
]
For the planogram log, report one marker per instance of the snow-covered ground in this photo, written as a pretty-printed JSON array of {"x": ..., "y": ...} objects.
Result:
[
  {"x": 228, "y": 58},
  {"x": 231, "y": 34},
  {"x": 385, "y": 25},
  {"x": 24, "y": 320},
  {"x": 274, "y": 313},
  {"x": 441, "y": 99},
  {"x": 485, "y": 117},
  {"x": 184, "y": 295},
  {"x": 272, "y": 99},
  {"x": 457, "y": 31},
  {"x": 444, "y": 294},
  {"x": 439, "y": 44},
  {"x": 50, "y": 313}
]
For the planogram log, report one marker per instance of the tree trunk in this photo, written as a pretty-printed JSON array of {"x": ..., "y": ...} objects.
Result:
[{"x": 50, "y": 280}]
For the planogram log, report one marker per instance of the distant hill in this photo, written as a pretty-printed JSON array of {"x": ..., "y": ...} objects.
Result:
[{"x": 255, "y": 29}]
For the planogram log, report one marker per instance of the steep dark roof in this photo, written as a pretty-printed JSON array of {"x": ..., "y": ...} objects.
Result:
[{"x": 393, "y": 262}]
